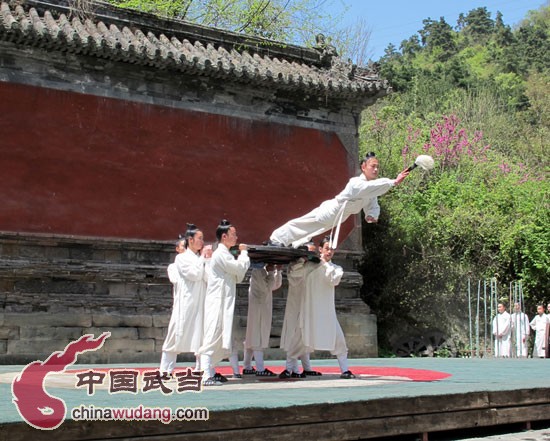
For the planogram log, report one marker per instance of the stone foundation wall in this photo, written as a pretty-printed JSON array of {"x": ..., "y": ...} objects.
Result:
[{"x": 54, "y": 289}]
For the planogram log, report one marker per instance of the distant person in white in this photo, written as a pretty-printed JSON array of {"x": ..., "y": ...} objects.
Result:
[
  {"x": 539, "y": 324},
  {"x": 520, "y": 330},
  {"x": 502, "y": 329},
  {"x": 360, "y": 193}
]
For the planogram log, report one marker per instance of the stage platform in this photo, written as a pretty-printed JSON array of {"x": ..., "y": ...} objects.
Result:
[{"x": 407, "y": 398}]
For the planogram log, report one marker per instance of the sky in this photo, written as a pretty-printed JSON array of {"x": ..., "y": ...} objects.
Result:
[{"x": 392, "y": 21}]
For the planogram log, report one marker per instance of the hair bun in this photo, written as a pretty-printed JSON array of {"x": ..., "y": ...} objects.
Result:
[
  {"x": 225, "y": 223},
  {"x": 191, "y": 227},
  {"x": 368, "y": 156}
]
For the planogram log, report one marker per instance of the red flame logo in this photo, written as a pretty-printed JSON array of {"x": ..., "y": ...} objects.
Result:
[{"x": 36, "y": 406}]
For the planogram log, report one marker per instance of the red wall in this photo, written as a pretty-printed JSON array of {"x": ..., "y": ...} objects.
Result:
[{"x": 87, "y": 165}]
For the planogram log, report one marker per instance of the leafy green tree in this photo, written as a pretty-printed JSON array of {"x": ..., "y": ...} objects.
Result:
[
  {"x": 395, "y": 69},
  {"x": 535, "y": 130},
  {"x": 438, "y": 38},
  {"x": 263, "y": 18},
  {"x": 498, "y": 45},
  {"x": 457, "y": 73},
  {"x": 503, "y": 33},
  {"x": 477, "y": 25},
  {"x": 511, "y": 86},
  {"x": 288, "y": 21},
  {"x": 531, "y": 48},
  {"x": 411, "y": 46},
  {"x": 538, "y": 85},
  {"x": 298, "y": 21}
]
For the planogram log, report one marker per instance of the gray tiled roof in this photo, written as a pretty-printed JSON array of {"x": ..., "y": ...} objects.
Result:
[{"x": 143, "y": 39}]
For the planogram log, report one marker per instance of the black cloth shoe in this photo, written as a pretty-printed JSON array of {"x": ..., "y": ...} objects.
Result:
[
  {"x": 249, "y": 371},
  {"x": 296, "y": 375},
  {"x": 211, "y": 382},
  {"x": 285, "y": 374},
  {"x": 219, "y": 377},
  {"x": 347, "y": 375},
  {"x": 265, "y": 373},
  {"x": 312, "y": 373}
]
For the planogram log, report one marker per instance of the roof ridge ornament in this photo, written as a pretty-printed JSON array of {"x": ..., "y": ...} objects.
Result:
[
  {"x": 327, "y": 52},
  {"x": 331, "y": 60}
]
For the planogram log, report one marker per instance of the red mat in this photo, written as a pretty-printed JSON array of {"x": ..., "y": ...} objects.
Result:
[
  {"x": 381, "y": 372},
  {"x": 408, "y": 373}
]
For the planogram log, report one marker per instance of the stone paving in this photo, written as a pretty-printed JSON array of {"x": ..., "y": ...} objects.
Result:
[{"x": 527, "y": 435}]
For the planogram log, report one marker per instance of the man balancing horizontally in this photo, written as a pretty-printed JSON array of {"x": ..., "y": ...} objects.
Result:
[{"x": 361, "y": 193}]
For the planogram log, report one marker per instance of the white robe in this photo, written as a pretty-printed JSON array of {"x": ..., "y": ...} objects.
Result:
[
  {"x": 291, "y": 333},
  {"x": 359, "y": 194},
  {"x": 320, "y": 327},
  {"x": 520, "y": 332},
  {"x": 173, "y": 276},
  {"x": 539, "y": 324},
  {"x": 219, "y": 306},
  {"x": 502, "y": 327},
  {"x": 189, "y": 275},
  {"x": 260, "y": 307}
]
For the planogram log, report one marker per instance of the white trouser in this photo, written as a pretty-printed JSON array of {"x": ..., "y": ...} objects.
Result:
[
  {"x": 343, "y": 362},
  {"x": 539, "y": 350},
  {"x": 521, "y": 348},
  {"x": 247, "y": 358},
  {"x": 292, "y": 363},
  {"x": 306, "y": 363},
  {"x": 234, "y": 362},
  {"x": 258, "y": 358},
  {"x": 197, "y": 363},
  {"x": 340, "y": 346},
  {"x": 168, "y": 362},
  {"x": 206, "y": 365},
  {"x": 298, "y": 231}
]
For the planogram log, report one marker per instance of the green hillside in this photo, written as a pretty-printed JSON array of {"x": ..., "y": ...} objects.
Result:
[{"x": 475, "y": 97}]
